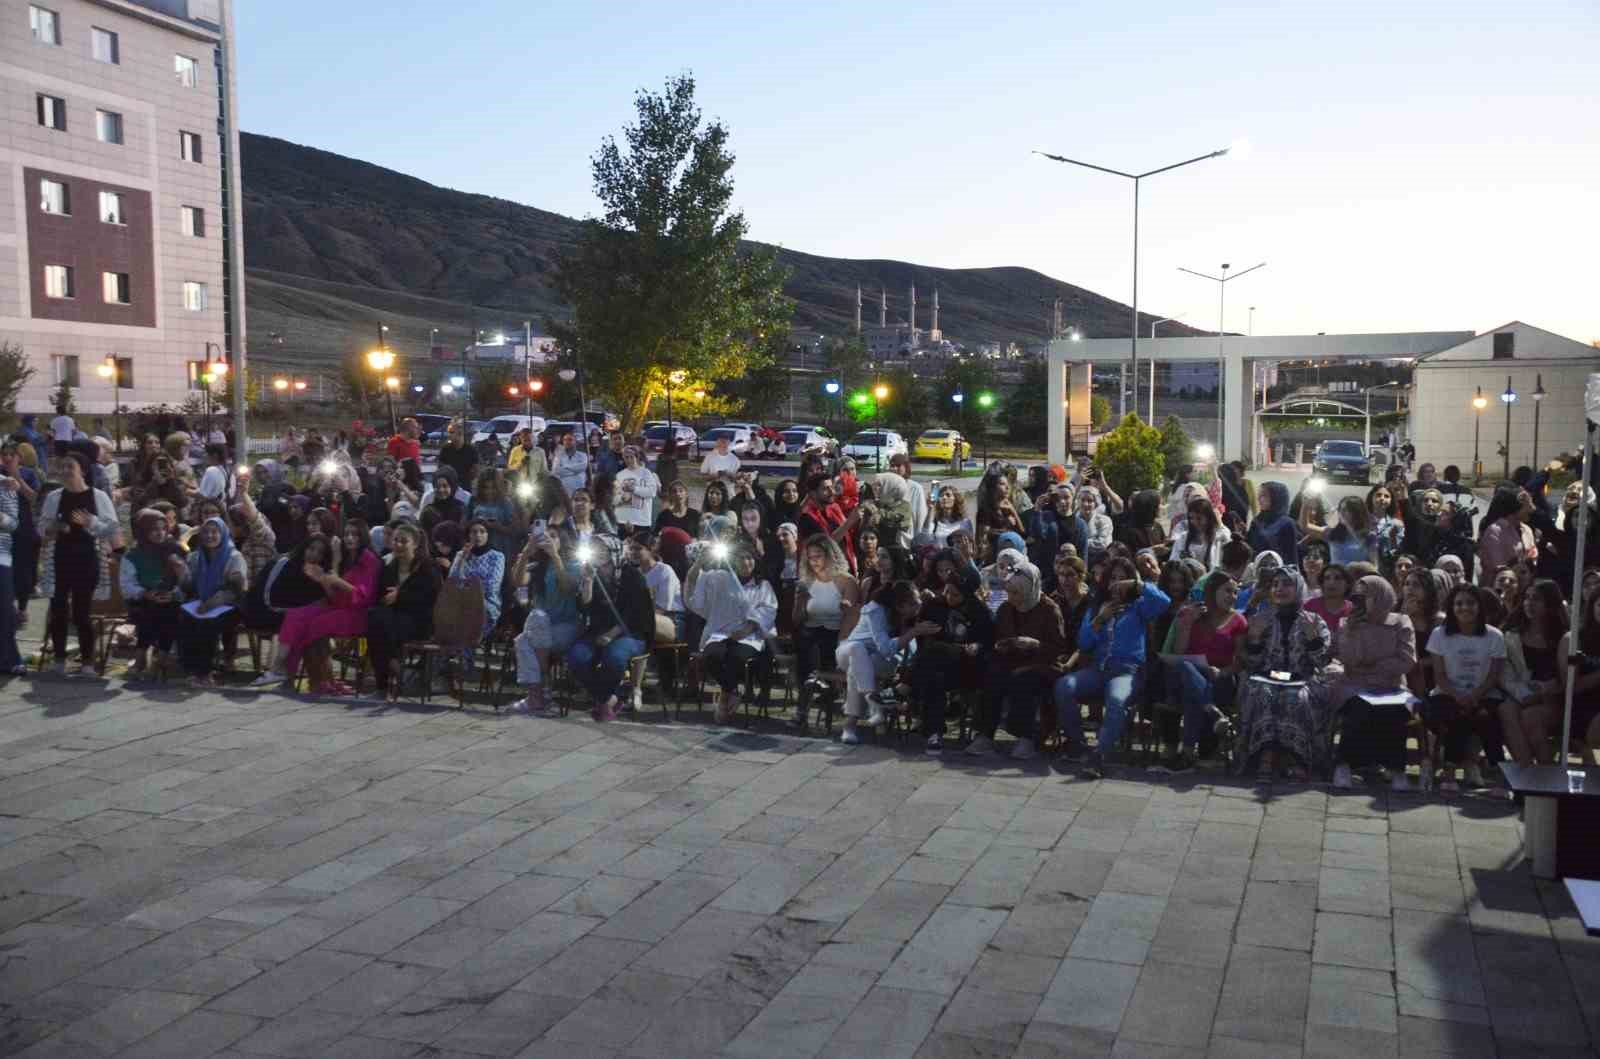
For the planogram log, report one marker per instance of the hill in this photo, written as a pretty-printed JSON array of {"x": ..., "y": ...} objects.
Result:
[{"x": 334, "y": 246}]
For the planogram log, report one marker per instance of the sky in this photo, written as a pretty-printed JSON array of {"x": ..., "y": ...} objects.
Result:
[{"x": 1409, "y": 167}]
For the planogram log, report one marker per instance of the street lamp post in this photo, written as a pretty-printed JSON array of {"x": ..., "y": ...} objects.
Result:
[
  {"x": 381, "y": 360},
  {"x": 880, "y": 394},
  {"x": 1508, "y": 398},
  {"x": 1479, "y": 403},
  {"x": 1222, "y": 295},
  {"x": 1133, "y": 330},
  {"x": 111, "y": 370},
  {"x": 1538, "y": 399},
  {"x": 832, "y": 389},
  {"x": 985, "y": 402}
]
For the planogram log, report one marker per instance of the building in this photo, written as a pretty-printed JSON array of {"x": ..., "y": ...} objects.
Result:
[{"x": 119, "y": 198}]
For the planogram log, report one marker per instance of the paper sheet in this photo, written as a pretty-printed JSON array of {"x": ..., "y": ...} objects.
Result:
[{"x": 192, "y": 608}]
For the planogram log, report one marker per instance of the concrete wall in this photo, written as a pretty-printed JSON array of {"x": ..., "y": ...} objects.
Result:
[{"x": 1442, "y": 418}]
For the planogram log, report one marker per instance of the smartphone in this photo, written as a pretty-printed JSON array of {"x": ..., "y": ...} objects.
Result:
[{"x": 933, "y": 487}]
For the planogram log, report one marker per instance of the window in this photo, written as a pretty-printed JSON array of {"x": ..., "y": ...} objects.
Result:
[
  {"x": 54, "y": 198},
  {"x": 58, "y": 281},
  {"x": 64, "y": 369},
  {"x": 111, "y": 211},
  {"x": 124, "y": 369},
  {"x": 186, "y": 70},
  {"x": 105, "y": 45},
  {"x": 193, "y": 219},
  {"x": 189, "y": 146},
  {"x": 194, "y": 296},
  {"x": 108, "y": 126},
  {"x": 46, "y": 24},
  {"x": 1505, "y": 345},
  {"x": 52, "y": 112},
  {"x": 115, "y": 288}
]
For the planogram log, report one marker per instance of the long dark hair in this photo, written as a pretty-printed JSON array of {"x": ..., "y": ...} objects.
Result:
[
  {"x": 1453, "y": 627},
  {"x": 1555, "y": 614},
  {"x": 1503, "y": 503},
  {"x": 1204, "y": 505},
  {"x": 347, "y": 559}
]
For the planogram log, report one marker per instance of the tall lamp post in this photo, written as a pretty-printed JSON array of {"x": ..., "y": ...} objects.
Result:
[
  {"x": 1222, "y": 364},
  {"x": 111, "y": 370},
  {"x": 985, "y": 402},
  {"x": 1133, "y": 330},
  {"x": 1508, "y": 398},
  {"x": 959, "y": 400},
  {"x": 1479, "y": 403},
  {"x": 1538, "y": 399},
  {"x": 833, "y": 389},
  {"x": 380, "y": 361},
  {"x": 880, "y": 394}
]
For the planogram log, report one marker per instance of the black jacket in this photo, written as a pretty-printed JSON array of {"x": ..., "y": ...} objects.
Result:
[{"x": 633, "y": 605}]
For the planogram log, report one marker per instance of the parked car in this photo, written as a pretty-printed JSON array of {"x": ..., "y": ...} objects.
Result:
[
  {"x": 1341, "y": 459},
  {"x": 875, "y": 445},
  {"x": 656, "y": 434},
  {"x": 433, "y": 427},
  {"x": 802, "y": 437},
  {"x": 940, "y": 445},
  {"x": 738, "y": 436},
  {"x": 504, "y": 427},
  {"x": 557, "y": 428}
]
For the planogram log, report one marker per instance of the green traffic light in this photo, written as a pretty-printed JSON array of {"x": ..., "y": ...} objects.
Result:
[{"x": 985, "y": 400}]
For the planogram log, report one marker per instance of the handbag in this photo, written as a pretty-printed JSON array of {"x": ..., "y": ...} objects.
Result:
[{"x": 458, "y": 614}]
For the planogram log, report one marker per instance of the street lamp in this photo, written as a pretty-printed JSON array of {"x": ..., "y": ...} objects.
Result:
[
  {"x": 111, "y": 370},
  {"x": 1508, "y": 398},
  {"x": 1479, "y": 403},
  {"x": 1538, "y": 399},
  {"x": 833, "y": 389},
  {"x": 458, "y": 382},
  {"x": 985, "y": 402},
  {"x": 1222, "y": 294},
  {"x": 880, "y": 394},
  {"x": 1133, "y": 331},
  {"x": 381, "y": 360}
]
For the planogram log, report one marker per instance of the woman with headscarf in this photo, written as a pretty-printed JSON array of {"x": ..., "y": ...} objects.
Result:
[
  {"x": 215, "y": 580},
  {"x": 1051, "y": 525},
  {"x": 1378, "y": 648},
  {"x": 149, "y": 575},
  {"x": 443, "y": 505},
  {"x": 894, "y": 501},
  {"x": 786, "y": 502},
  {"x": 1282, "y": 697},
  {"x": 1009, "y": 555},
  {"x": 1453, "y": 568},
  {"x": 1255, "y": 587},
  {"x": 480, "y": 561},
  {"x": 75, "y": 518},
  {"x": 1273, "y": 529},
  {"x": 408, "y": 587},
  {"x": 740, "y": 612},
  {"x": 342, "y": 612}
]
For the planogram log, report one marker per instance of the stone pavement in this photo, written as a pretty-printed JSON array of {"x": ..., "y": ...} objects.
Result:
[{"x": 187, "y": 875}]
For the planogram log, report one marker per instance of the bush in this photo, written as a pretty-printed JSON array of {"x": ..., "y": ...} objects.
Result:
[
  {"x": 1099, "y": 411},
  {"x": 1177, "y": 447},
  {"x": 15, "y": 371},
  {"x": 63, "y": 402},
  {"x": 1131, "y": 456}
]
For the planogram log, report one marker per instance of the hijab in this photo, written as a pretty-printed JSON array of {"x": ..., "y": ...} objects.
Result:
[
  {"x": 1453, "y": 567},
  {"x": 211, "y": 568},
  {"x": 150, "y": 560},
  {"x": 1009, "y": 540},
  {"x": 1032, "y": 584},
  {"x": 488, "y": 544}
]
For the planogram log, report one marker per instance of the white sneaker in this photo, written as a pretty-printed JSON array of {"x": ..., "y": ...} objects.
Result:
[
  {"x": 636, "y": 700},
  {"x": 1472, "y": 776},
  {"x": 268, "y": 679},
  {"x": 1341, "y": 777},
  {"x": 1022, "y": 750},
  {"x": 1400, "y": 783},
  {"x": 980, "y": 746},
  {"x": 849, "y": 737},
  {"x": 877, "y": 720}
]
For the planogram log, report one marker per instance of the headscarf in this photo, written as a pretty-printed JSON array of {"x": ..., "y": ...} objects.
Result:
[
  {"x": 1274, "y": 501},
  {"x": 211, "y": 569},
  {"x": 1453, "y": 566},
  {"x": 150, "y": 560},
  {"x": 1299, "y": 590},
  {"x": 1031, "y": 584},
  {"x": 1012, "y": 541},
  {"x": 674, "y": 548},
  {"x": 1265, "y": 563},
  {"x": 403, "y": 509},
  {"x": 488, "y": 544},
  {"x": 1561, "y": 510},
  {"x": 1013, "y": 556}
]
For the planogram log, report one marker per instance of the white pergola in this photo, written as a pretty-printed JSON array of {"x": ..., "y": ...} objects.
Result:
[{"x": 1239, "y": 354}]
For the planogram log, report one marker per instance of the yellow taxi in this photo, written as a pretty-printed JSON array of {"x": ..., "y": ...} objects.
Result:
[{"x": 938, "y": 445}]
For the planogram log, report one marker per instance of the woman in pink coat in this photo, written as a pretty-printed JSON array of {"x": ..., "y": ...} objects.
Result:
[{"x": 350, "y": 593}]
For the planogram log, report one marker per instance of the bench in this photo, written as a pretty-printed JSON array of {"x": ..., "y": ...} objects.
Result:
[{"x": 1585, "y": 894}]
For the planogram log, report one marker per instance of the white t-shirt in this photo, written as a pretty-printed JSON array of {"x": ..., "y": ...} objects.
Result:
[
  {"x": 717, "y": 463},
  {"x": 666, "y": 591},
  {"x": 632, "y": 507},
  {"x": 1466, "y": 658},
  {"x": 62, "y": 428}
]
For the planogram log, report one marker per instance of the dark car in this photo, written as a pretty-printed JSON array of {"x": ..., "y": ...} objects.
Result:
[{"x": 1342, "y": 459}]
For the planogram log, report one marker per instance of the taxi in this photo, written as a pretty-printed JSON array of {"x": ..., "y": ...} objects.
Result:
[{"x": 938, "y": 445}]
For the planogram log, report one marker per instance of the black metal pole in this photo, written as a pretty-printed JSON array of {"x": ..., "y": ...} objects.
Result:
[
  {"x": 583, "y": 419},
  {"x": 1507, "y": 403}
]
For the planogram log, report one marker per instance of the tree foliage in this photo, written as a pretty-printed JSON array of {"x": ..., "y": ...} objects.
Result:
[
  {"x": 971, "y": 379},
  {"x": 352, "y": 387},
  {"x": 1023, "y": 413},
  {"x": 1131, "y": 456},
  {"x": 1099, "y": 411},
  {"x": 659, "y": 282},
  {"x": 15, "y": 371},
  {"x": 63, "y": 401},
  {"x": 1177, "y": 447},
  {"x": 908, "y": 405}
]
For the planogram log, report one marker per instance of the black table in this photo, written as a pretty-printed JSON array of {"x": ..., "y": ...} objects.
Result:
[{"x": 1561, "y": 818}]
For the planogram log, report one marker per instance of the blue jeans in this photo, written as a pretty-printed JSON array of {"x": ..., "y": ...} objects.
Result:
[
  {"x": 10, "y": 658},
  {"x": 1117, "y": 686},
  {"x": 601, "y": 669},
  {"x": 1195, "y": 692}
]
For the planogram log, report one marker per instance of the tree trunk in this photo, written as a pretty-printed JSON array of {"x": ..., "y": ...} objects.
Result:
[{"x": 633, "y": 415}]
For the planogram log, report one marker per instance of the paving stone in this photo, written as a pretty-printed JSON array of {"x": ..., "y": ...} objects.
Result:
[
  {"x": 1351, "y": 997},
  {"x": 393, "y": 926},
  {"x": 1354, "y": 941},
  {"x": 1264, "y": 996},
  {"x": 941, "y": 953},
  {"x": 1362, "y": 893},
  {"x": 1119, "y": 928},
  {"x": 1278, "y": 915},
  {"x": 603, "y": 896},
  {"x": 1089, "y": 994},
  {"x": 197, "y": 1033},
  {"x": 896, "y": 911},
  {"x": 126, "y": 1020},
  {"x": 583, "y": 967},
  {"x": 616, "y": 1015},
  {"x": 1014, "y": 972},
  {"x": 290, "y": 983},
  {"x": 1192, "y": 934},
  {"x": 993, "y": 1014},
  {"x": 1173, "y": 1004}
]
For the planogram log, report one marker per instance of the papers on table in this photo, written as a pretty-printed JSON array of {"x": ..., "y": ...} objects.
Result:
[
  {"x": 1394, "y": 697},
  {"x": 193, "y": 609}
]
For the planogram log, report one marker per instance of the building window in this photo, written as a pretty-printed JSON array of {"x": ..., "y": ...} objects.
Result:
[
  {"x": 111, "y": 209},
  {"x": 116, "y": 288},
  {"x": 194, "y": 296},
  {"x": 108, "y": 126},
  {"x": 189, "y": 146},
  {"x": 58, "y": 281},
  {"x": 52, "y": 112},
  {"x": 64, "y": 369},
  {"x": 54, "y": 198},
  {"x": 105, "y": 45},
  {"x": 123, "y": 366},
  {"x": 46, "y": 24},
  {"x": 186, "y": 70},
  {"x": 1505, "y": 345},
  {"x": 194, "y": 221}
]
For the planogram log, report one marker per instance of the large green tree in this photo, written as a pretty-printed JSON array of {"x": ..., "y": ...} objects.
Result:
[
  {"x": 659, "y": 282},
  {"x": 1023, "y": 411},
  {"x": 15, "y": 371},
  {"x": 971, "y": 379}
]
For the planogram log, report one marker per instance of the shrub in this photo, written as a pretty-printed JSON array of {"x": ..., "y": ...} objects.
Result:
[
  {"x": 1099, "y": 411},
  {"x": 1131, "y": 456},
  {"x": 1177, "y": 447}
]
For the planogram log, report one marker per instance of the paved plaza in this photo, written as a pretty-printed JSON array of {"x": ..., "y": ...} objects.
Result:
[{"x": 191, "y": 874}]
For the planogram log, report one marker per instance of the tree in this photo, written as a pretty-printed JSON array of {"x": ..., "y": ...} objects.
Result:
[
  {"x": 907, "y": 405},
  {"x": 1099, "y": 411},
  {"x": 1131, "y": 456},
  {"x": 1177, "y": 447},
  {"x": 1023, "y": 411},
  {"x": 970, "y": 379},
  {"x": 758, "y": 395},
  {"x": 15, "y": 371},
  {"x": 63, "y": 402},
  {"x": 252, "y": 391},
  {"x": 659, "y": 282},
  {"x": 353, "y": 385},
  {"x": 845, "y": 360}
]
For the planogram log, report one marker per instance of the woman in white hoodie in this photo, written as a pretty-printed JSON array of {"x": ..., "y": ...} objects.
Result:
[
  {"x": 1200, "y": 536},
  {"x": 1097, "y": 524},
  {"x": 870, "y": 645}
]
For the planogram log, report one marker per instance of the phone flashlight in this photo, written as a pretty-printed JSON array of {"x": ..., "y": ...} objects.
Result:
[
  {"x": 585, "y": 553},
  {"x": 719, "y": 550},
  {"x": 1316, "y": 486},
  {"x": 327, "y": 467},
  {"x": 525, "y": 490}
]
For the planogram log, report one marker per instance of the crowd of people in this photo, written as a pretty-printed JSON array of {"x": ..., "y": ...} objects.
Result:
[{"x": 1232, "y": 622}]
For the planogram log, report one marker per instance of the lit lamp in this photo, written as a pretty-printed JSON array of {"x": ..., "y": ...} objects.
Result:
[
  {"x": 985, "y": 402},
  {"x": 108, "y": 370},
  {"x": 1508, "y": 398},
  {"x": 833, "y": 389},
  {"x": 880, "y": 393},
  {"x": 381, "y": 360},
  {"x": 1479, "y": 403},
  {"x": 958, "y": 398},
  {"x": 1538, "y": 399}
]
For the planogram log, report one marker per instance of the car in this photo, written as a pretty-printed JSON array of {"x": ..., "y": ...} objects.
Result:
[
  {"x": 433, "y": 427},
  {"x": 875, "y": 445},
  {"x": 557, "y": 428},
  {"x": 939, "y": 445},
  {"x": 802, "y": 438},
  {"x": 1342, "y": 459},
  {"x": 656, "y": 434},
  {"x": 503, "y": 428},
  {"x": 739, "y": 438}
]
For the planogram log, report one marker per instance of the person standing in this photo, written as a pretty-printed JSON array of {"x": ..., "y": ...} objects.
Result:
[
  {"x": 571, "y": 465},
  {"x": 637, "y": 488},
  {"x": 407, "y": 450},
  {"x": 24, "y": 482},
  {"x": 74, "y": 517},
  {"x": 62, "y": 431},
  {"x": 457, "y": 454},
  {"x": 10, "y": 657},
  {"x": 721, "y": 462}
]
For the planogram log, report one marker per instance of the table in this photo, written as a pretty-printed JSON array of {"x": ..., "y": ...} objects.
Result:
[{"x": 1560, "y": 823}]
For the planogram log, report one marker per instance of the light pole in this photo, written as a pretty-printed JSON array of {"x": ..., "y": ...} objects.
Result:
[
  {"x": 1508, "y": 398},
  {"x": 985, "y": 402},
  {"x": 880, "y": 394},
  {"x": 459, "y": 382},
  {"x": 381, "y": 360},
  {"x": 1538, "y": 399},
  {"x": 959, "y": 400},
  {"x": 1368, "y": 439},
  {"x": 1479, "y": 403},
  {"x": 1133, "y": 330},
  {"x": 1222, "y": 364},
  {"x": 111, "y": 370},
  {"x": 832, "y": 389},
  {"x": 1252, "y": 330}
]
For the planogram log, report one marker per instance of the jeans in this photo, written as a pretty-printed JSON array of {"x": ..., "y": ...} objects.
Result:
[
  {"x": 937, "y": 669},
  {"x": 601, "y": 669},
  {"x": 1193, "y": 686},
  {"x": 1373, "y": 735},
  {"x": 1118, "y": 687},
  {"x": 198, "y": 638},
  {"x": 10, "y": 657},
  {"x": 539, "y": 633},
  {"x": 1025, "y": 692}
]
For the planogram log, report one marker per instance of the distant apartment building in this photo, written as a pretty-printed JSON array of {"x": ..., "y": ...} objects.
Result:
[{"x": 119, "y": 197}]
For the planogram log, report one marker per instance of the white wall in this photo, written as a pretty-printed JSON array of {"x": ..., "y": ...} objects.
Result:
[{"x": 1443, "y": 419}]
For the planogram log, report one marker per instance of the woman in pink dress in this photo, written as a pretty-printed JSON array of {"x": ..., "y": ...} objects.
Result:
[{"x": 350, "y": 592}]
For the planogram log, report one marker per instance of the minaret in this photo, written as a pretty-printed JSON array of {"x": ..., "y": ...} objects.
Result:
[
  {"x": 858, "y": 308},
  {"x": 911, "y": 316},
  {"x": 936, "y": 310},
  {"x": 883, "y": 307}
]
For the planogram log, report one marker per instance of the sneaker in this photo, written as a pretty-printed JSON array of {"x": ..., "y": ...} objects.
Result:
[
  {"x": 1400, "y": 783},
  {"x": 1472, "y": 776},
  {"x": 849, "y": 737},
  {"x": 635, "y": 701},
  {"x": 1094, "y": 766},
  {"x": 1022, "y": 750},
  {"x": 980, "y": 746},
  {"x": 935, "y": 744},
  {"x": 1341, "y": 777},
  {"x": 268, "y": 679},
  {"x": 82, "y": 669},
  {"x": 877, "y": 720}
]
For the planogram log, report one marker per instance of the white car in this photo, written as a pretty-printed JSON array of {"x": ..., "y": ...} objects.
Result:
[
  {"x": 739, "y": 438},
  {"x": 503, "y": 428},
  {"x": 803, "y": 437},
  {"x": 876, "y": 446},
  {"x": 657, "y": 431}
]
